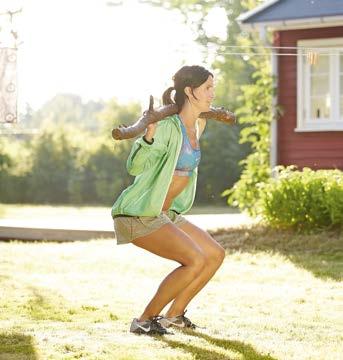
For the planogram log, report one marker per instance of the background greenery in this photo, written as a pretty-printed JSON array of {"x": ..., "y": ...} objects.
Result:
[{"x": 72, "y": 159}]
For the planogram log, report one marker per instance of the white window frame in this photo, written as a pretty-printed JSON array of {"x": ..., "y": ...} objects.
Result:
[{"x": 304, "y": 123}]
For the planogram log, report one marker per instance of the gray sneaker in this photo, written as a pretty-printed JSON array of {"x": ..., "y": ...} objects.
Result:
[
  {"x": 180, "y": 321},
  {"x": 148, "y": 327}
]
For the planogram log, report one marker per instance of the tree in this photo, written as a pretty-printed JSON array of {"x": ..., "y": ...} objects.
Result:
[
  {"x": 220, "y": 164},
  {"x": 68, "y": 109}
]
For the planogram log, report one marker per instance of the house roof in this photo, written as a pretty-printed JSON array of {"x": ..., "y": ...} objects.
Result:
[{"x": 285, "y": 13}]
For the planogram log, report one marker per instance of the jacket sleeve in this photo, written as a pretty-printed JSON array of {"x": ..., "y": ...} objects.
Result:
[{"x": 143, "y": 155}]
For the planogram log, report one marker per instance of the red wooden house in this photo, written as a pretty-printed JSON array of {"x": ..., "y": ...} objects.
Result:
[{"x": 310, "y": 132}]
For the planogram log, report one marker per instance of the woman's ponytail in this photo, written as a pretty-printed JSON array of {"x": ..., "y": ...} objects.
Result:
[{"x": 166, "y": 97}]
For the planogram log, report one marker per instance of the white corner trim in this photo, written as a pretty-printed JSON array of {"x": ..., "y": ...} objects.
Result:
[{"x": 273, "y": 125}]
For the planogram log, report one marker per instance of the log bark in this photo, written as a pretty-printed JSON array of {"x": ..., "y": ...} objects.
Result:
[{"x": 152, "y": 115}]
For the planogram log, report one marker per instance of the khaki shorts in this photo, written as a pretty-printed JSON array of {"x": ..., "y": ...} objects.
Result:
[{"x": 127, "y": 228}]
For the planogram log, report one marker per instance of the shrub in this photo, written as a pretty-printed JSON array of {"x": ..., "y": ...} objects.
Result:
[
  {"x": 52, "y": 163},
  {"x": 15, "y": 162},
  {"x": 100, "y": 176},
  {"x": 303, "y": 200}
]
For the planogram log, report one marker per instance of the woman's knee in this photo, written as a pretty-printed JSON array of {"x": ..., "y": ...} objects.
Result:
[
  {"x": 197, "y": 262},
  {"x": 216, "y": 256}
]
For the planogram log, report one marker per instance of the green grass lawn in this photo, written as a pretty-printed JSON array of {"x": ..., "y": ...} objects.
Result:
[{"x": 276, "y": 296}]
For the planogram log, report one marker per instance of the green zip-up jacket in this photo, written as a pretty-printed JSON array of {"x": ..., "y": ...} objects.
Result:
[{"x": 153, "y": 167}]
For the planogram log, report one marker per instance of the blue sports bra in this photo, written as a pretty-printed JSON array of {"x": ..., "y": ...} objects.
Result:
[{"x": 189, "y": 157}]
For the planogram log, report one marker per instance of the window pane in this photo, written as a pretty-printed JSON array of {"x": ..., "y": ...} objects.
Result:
[
  {"x": 341, "y": 63},
  {"x": 320, "y": 88},
  {"x": 341, "y": 85},
  {"x": 320, "y": 107},
  {"x": 320, "y": 85},
  {"x": 321, "y": 65}
]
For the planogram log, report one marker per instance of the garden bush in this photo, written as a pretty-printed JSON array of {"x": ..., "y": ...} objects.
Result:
[{"x": 303, "y": 200}]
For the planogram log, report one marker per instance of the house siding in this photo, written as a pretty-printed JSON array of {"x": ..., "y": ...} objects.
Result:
[{"x": 317, "y": 150}]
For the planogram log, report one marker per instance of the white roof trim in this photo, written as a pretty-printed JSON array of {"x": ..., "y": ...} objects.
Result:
[
  {"x": 296, "y": 23},
  {"x": 256, "y": 10}
]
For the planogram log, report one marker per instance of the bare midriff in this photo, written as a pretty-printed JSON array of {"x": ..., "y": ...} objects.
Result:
[{"x": 178, "y": 183}]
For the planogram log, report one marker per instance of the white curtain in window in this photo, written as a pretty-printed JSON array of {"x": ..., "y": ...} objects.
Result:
[
  {"x": 320, "y": 88},
  {"x": 8, "y": 85}
]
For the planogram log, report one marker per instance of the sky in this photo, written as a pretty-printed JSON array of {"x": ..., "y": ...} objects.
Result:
[{"x": 100, "y": 51}]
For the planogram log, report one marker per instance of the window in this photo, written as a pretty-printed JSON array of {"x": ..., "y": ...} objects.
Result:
[{"x": 320, "y": 86}]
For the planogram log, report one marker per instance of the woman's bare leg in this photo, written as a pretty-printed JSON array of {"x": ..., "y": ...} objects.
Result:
[
  {"x": 171, "y": 243},
  {"x": 214, "y": 255}
]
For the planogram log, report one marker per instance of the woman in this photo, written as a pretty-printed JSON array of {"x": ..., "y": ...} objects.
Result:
[{"x": 149, "y": 212}]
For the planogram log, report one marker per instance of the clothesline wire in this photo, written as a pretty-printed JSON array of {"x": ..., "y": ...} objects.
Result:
[
  {"x": 269, "y": 54},
  {"x": 279, "y": 47}
]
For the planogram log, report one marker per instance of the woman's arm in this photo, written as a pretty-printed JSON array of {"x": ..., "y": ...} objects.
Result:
[{"x": 143, "y": 154}]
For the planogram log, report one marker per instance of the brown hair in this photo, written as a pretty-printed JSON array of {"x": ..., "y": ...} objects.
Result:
[{"x": 192, "y": 76}]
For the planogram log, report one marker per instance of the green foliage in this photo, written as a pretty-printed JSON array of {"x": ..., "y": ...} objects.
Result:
[
  {"x": 52, "y": 163},
  {"x": 64, "y": 163},
  {"x": 5, "y": 166},
  {"x": 115, "y": 114},
  {"x": 72, "y": 166},
  {"x": 94, "y": 169},
  {"x": 231, "y": 71},
  {"x": 255, "y": 113},
  {"x": 14, "y": 164},
  {"x": 303, "y": 200},
  {"x": 65, "y": 109},
  {"x": 251, "y": 103},
  {"x": 99, "y": 177},
  {"x": 219, "y": 158},
  {"x": 222, "y": 151}
]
